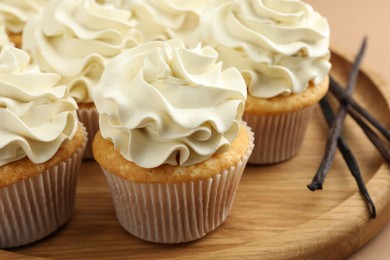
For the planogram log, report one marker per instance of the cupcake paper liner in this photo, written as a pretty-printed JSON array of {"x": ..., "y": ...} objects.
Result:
[
  {"x": 35, "y": 207},
  {"x": 90, "y": 119},
  {"x": 278, "y": 137},
  {"x": 176, "y": 212}
]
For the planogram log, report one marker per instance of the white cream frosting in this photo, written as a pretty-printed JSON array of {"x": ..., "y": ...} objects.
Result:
[
  {"x": 280, "y": 46},
  {"x": 163, "y": 103},
  {"x": 17, "y": 12},
  {"x": 4, "y": 39},
  {"x": 36, "y": 115},
  {"x": 76, "y": 39},
  {"x": 167, "y": 19}
]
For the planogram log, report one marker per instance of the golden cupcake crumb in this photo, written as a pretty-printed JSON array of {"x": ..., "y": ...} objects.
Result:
[
  {"x": 24, "y": 168},
  {"x": 284, "y": 104},
  {"x": 16, "y": 38},
  {"x": 112, "y": 161}
]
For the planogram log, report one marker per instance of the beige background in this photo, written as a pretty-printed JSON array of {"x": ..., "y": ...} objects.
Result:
[{"x": 350, "y": 20}]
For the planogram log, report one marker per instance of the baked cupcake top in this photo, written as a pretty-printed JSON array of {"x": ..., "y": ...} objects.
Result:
[
  {"x": 167, "y": 19},
  {"x": 37, "y": 115},
  {"x": 76, "y": 39},
  {"x": 280, "y": 46},
  {"x": 16, "y": 13},
  {"x": 161, "y": 103}
]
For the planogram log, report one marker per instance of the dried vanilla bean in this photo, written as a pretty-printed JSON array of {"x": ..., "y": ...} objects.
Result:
[
  {"x": 378, "y": 143},
  {"x": 337, "y": 125},
  {"x": 348, "y": 156},
  {"x": 340, "y": 94}
]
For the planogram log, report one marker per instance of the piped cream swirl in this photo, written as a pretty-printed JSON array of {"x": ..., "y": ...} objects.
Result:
[
  {"x": 167, "y": 19},
  {"x": 4, "y": 39},
  {"x": 163, "y": 103},
  {"x": 16, "y": 13},
  {"x": 37, "y": 116},
  {"x": 76, "y": 39},
  {"x": 280, "y": 46}
]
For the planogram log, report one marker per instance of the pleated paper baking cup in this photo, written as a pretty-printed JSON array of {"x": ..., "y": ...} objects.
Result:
[
  {"x": 89, "y": 116},
  {"x": 33, "y": 208},
  {"x": 175, "y": 212},
  {"x": 278, "y": 137}
]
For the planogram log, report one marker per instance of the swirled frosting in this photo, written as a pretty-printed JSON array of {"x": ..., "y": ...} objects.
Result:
[
  {"x": 76, "y": 39},
  {"x": 280, "y": 46},
  {"x": 163, "y": 103},
  {"x": 16, "y": 13},
  {"x": 37, "y": 116},
  {"x": 167, "y": 19},
  {"x": 4, "y": 40}
]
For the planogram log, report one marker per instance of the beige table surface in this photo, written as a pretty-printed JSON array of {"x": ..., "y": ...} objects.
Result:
[{"x": 350, "y": 20}]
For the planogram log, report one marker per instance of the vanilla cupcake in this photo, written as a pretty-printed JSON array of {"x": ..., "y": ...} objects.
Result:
[
  {"x": 171, "y": 143},
  {"x": 41, "y": 146},
  {"x": 16, "y": 13},
  {"x": 282, "y": 50},
  {"x": 76, "y": 39},
  {"x": 167, "y": 19}
]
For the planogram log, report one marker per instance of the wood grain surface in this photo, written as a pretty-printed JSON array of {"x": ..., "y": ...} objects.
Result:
[{"x": 274, "y": 215}]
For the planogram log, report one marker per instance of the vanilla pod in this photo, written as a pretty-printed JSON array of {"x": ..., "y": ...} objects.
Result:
[
  {"x": 348, "y": 156},
  {"x": 340, "y": 94},
  {"x": 337, "y": 125}
]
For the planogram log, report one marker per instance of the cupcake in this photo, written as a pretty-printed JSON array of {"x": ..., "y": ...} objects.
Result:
[
  {"x": 41, "y": 146},
  {"x": 167, "y": 19},
  {"x": 282, "y": 51},
  {"x": 16, "y": 14},
  {"x": 76, "y": 39},
  {"x": 173, "y": 165}
]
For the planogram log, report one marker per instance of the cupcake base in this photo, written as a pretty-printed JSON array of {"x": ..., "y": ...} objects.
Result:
[
  {"x": 278, "y": 137},
  {"x": 35, "y": 207},
  {"x": 176, "y": 211},
  {"x": 280, "y": 123}
]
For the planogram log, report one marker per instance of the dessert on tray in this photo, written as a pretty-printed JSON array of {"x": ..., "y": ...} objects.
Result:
[
  {"x": 282, "y": 50},
  {"x": 41, "y": 148},
  {"x": 171, "y": 143}
]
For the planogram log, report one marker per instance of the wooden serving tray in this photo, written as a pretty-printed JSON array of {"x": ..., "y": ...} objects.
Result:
[{"x": 274, "y": 215}]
